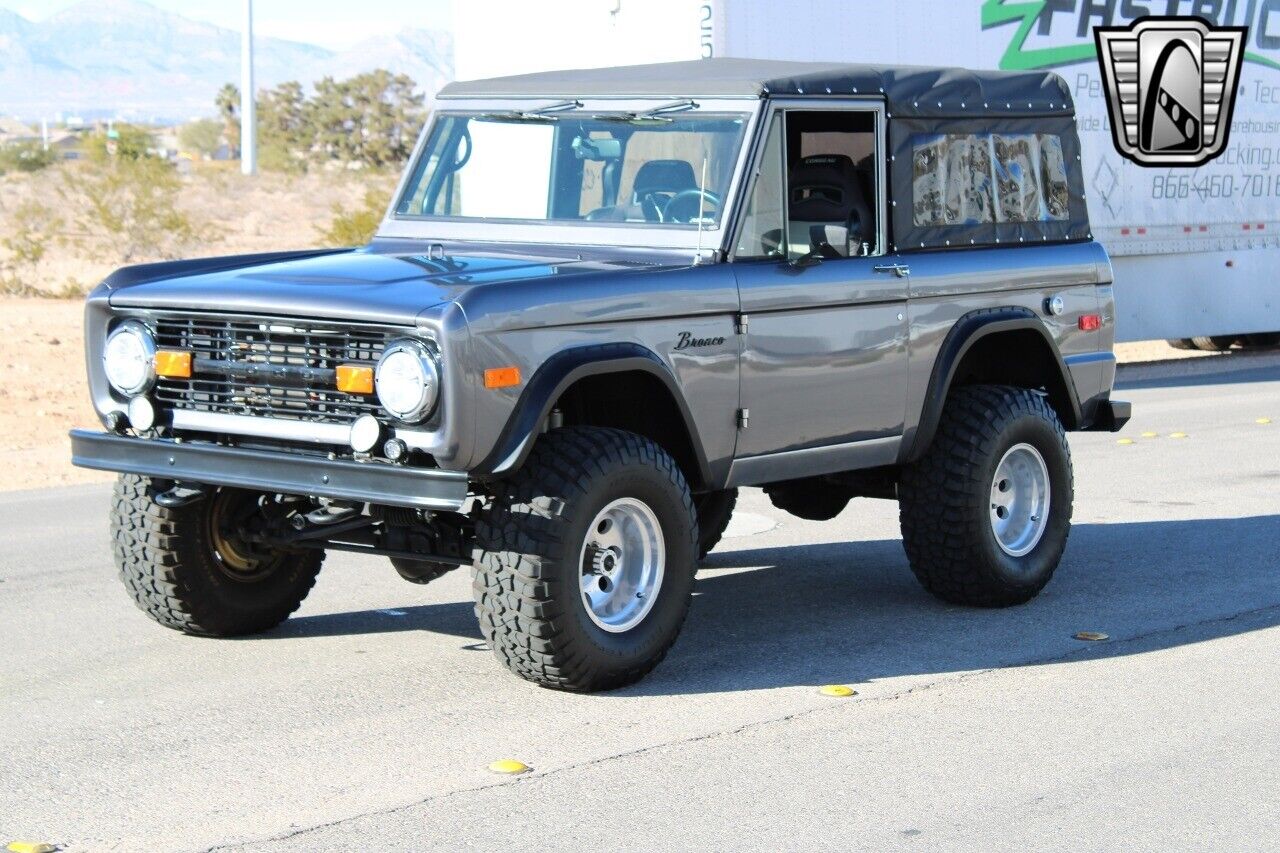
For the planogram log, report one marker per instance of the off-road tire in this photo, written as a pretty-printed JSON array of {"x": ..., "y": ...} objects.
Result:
[
  {"x": 944, "y": 498},
  {"x": 168, "y": 566},
  {"x": 421, "y": 571},
  {"x": 526, "y": 573},
  {"x": 715, "y": 509}
]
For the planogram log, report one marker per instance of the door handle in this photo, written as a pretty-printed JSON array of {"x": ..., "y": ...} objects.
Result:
[{"x": 900, "y": 270}]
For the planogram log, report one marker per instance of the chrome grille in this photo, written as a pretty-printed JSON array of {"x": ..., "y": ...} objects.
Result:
[{"x": 267, "y": 368}]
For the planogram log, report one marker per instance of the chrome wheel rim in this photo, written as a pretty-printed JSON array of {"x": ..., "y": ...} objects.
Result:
[
  {"x": 623, "y": 559},
  {"x": 1020, "y": 495}
]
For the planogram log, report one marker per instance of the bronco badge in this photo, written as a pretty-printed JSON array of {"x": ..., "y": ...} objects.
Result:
[
  {"x": 1171, "y": 87},
  {"x": 688, "y": 341}
]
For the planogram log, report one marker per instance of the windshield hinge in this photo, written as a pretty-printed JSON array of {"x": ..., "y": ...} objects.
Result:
[{"x": 741, "y": 324}]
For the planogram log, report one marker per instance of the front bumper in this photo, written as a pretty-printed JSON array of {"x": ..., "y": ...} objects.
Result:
[{"x": 266, "y": 471}]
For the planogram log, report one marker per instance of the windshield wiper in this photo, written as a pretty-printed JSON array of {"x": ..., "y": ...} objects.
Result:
[
  {"x": 548, "y": 113},
  {"x": 658, "y": 113}
]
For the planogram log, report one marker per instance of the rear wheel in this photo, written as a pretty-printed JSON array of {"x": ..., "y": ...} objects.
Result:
[
  {"x": 189, "y": 569},
  {"x": 585, "y": 560},
  {"x": 986, "y": 511},
  {"x": 1182, "y": 343}
]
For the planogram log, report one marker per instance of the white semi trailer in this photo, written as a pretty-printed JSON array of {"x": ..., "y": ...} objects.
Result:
[{"x": 1196, "y": 251}]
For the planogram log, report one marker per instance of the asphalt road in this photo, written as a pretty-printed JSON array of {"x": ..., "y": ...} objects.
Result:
[{"x": 367, "y": 721}]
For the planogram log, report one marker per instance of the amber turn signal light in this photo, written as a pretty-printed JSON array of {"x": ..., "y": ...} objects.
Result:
[
  {"x": 355, "y": 379},
  {"x": 175, "y": 364},
  {"x": 502, "y": 377}
]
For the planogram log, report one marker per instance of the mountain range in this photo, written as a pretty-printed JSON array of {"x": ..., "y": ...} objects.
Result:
[{"x": 129, "y": 59}]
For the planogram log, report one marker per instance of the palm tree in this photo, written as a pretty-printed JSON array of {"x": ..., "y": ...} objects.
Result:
[{"x": 228, "y": 102}]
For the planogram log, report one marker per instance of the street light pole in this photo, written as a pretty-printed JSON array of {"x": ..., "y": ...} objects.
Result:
[{"x": 248, "y": 113}]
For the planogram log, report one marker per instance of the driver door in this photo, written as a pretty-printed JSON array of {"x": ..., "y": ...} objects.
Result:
[{"x": 824, "y": 359}]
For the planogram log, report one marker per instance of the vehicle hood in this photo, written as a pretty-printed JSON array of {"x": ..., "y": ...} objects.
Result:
[{"x": 358, "y": 285}]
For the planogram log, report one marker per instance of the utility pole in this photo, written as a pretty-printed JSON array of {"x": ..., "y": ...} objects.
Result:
[{"x": 248, "y": 113}]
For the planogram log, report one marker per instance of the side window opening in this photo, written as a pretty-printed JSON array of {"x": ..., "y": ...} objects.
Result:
[
  {"x": 831, "y": 175},
  {"x": 815, "y": 190}
]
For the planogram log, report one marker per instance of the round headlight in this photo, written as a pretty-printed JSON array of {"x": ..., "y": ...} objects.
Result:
[
  {"x": 407, "y": 381},
  {"x": 129, "y": 358}
]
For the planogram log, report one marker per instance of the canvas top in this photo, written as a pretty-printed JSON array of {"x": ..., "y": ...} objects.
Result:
[{"x": 908, "y": 90}]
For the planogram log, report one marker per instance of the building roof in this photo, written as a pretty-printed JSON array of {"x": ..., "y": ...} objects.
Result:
[{"x": 908, "y": 90}]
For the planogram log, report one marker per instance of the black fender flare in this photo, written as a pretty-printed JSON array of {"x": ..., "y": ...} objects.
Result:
[
  {"x": 967, "y": 331},
  {"x": 555, "y": 376}
]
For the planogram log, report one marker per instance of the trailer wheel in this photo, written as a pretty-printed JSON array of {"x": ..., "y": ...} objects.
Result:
[{"x": 1214, "y": 343}]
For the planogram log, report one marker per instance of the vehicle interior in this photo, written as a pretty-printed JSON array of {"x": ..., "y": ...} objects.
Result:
[
  {"x": 831, "y": 183},
  {"x": 815, "y": 194}
]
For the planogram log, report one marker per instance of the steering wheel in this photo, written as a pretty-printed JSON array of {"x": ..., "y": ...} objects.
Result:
[{"x": 684, "y": 205}]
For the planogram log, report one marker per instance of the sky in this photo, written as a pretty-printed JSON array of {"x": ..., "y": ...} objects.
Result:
[{"x": 336, "y": 24}]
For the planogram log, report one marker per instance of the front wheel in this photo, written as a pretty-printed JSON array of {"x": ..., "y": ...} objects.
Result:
[
  {"x": 585, "y": 560},
  {"x": 985, "y": 513},
  {"x": 189, "y": 569}
]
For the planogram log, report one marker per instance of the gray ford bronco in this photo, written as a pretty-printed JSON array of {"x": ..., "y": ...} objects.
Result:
[{"x": 599, "y": 303}]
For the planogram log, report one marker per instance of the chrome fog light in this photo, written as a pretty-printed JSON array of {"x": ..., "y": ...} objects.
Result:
[
  {"x": 129, "y": 358},
  {"x": 366, "y": 432},
  {"x": 407, "y": 381}
]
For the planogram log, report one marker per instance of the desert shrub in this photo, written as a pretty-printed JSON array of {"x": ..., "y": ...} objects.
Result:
[
  {"x": 31, "y": 229},
  {"x": 25, "y": 157},
  {"x": 131, "y": 206},
  {"x": 356, "y": 227}
]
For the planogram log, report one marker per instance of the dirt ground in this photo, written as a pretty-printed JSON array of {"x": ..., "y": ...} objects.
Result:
[{"x": 44, "y": 393}]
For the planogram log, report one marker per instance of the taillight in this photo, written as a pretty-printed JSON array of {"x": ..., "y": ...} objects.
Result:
[{"x": 1090, "y": 322}]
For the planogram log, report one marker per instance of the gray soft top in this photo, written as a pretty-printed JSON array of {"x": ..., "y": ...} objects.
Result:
[{"x": 908, "y": 90}]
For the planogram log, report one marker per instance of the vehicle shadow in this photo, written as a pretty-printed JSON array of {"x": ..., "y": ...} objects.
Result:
[{"x": 851, "y": 613}]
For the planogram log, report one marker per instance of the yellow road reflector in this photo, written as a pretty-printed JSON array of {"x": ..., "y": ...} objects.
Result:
[
  {"x": 30, "y": 847},
  {"x": 1151, "y": 435},
  {"x": 509, "y": 766},
  {"x": 173, "y": 363},
  {"x": 1177, "y": 435},
  {"x": 837, "y": 690},
  {"x": 1263, "y": 421},
  {"x": 1124, "y": 441},
  {"x": 1092, "y": 636},
  {"x": 355, "y": 379}
]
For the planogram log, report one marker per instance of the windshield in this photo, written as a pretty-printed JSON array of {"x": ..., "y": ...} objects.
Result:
[{"x": 624, "y": 169}]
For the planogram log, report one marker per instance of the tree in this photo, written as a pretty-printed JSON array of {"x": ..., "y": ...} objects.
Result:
[
  {"x": 123, "y": 142},
  {"x": 228, "y": 103},
  {"x": 285, "y": 134},
  {"x": 203, "y": 137},
  {"x": 371, "y": 119}
]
